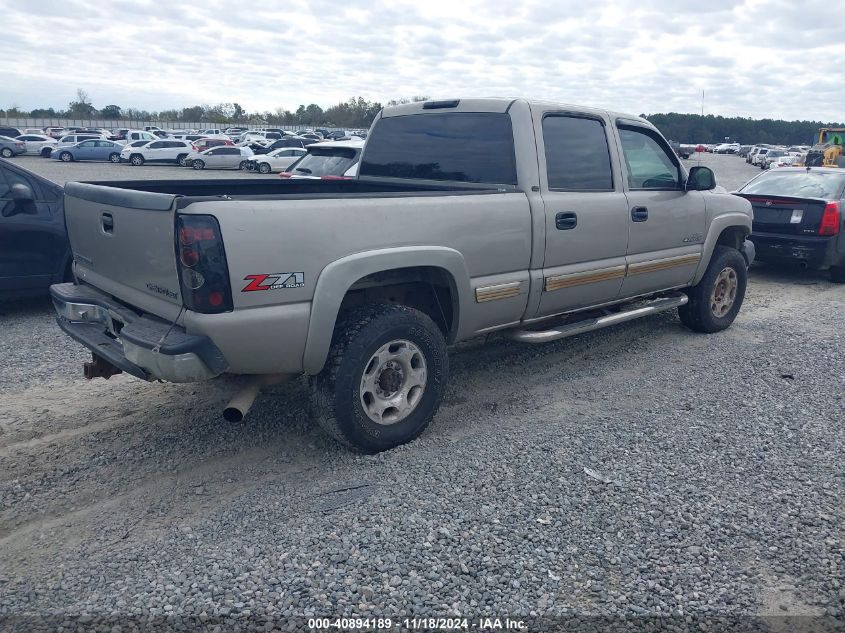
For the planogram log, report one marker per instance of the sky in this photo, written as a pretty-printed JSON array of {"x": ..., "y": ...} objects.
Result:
[{"x": 777, "y": 59}]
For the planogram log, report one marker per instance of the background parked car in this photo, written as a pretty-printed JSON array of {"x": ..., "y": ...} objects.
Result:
[
  {"x": 161, "y": 151},
  {"x": 35, "y": 143},
  {"x": 11, "y": 132},
  {"x": 335, "y": 159},
  {"x": 11, "y": 147},
  {"x": 224, "y": 157},
  {"x": 276, "y": 161},
  {"x": 287, "y": 141},
  {"x": 34, "y": 250},
  {"x": 769, "y": 157},
  {"x": 207, "y": 143},
  {"x": 798, "y": 217},
  {"x": 92, "y": 149},
  {"x": 54, "y": 132}
]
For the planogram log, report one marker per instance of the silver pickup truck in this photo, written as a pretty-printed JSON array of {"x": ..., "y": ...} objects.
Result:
[{"x": 468, "y": 216}]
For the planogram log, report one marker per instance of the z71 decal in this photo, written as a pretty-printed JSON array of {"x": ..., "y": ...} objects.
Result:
[{"x": 274, "y": 281}]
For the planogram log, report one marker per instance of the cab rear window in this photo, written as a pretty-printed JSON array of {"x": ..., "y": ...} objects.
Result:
[{"x": 456, "y": 146}]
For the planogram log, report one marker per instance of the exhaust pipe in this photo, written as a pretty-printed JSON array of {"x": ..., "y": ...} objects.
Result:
[{"x": 242, "y": 401}]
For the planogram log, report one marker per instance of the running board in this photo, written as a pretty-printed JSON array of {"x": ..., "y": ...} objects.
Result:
[{"x": 588, "y": 325}]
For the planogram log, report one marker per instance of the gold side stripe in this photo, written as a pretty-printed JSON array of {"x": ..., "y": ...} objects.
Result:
[
  {"x": 588, "y": 277},
  {"x": 606, "y": 274},
  {"x": 499, "y": 291},
  {"x": 663, "y": 264}
]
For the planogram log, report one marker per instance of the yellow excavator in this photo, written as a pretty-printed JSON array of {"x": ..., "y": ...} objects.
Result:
[{"x": 830, "y": 149}]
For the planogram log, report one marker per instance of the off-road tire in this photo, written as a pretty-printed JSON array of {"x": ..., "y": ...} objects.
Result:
[
  {"x": 336, "y": 390},
  {"x": 697, "y": 314},
  {"x": 837, "y": 274}
]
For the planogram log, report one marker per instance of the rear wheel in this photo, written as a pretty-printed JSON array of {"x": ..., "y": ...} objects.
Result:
[
  {"x": 114, "y": 157},
  {"x": 136, "y": 159},
  {"x": 384, "y": 378},
  {"x": 715, "y": 301},
  {"x": 46, "y": 151},
  {"x": 837, "y": 274},
  {"x": 264, "y": 168},
  {"x": 243, "y": 165},
  {"x": 6, "y": 152},
  {"x": 181, "y": 159},
  {"x": 66, "y": 157},
  {"x": 198, "y": 164}
]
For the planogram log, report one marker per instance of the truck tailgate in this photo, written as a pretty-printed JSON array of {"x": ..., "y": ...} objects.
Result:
[{"x": 123, "y": 242}]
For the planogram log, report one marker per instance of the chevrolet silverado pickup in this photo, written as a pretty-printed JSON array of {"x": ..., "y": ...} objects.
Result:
[{"x": 468, "y": 216}]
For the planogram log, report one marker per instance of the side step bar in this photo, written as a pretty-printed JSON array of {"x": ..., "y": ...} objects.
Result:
[{"x": 588, "y": 325}]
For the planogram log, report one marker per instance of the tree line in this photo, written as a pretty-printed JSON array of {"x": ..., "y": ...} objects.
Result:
[
  {"x": 695, "y": 128},
  {"x": 355, "y": 112}
]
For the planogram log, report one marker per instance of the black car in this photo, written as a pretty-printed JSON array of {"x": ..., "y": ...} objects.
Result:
[
  {"x": 11, "y": 132},
  {"x": 34, "y": 249},
  {"x": 798, "y": 217}
]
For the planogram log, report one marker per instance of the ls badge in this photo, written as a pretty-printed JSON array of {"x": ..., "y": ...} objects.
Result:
[{"x": 274, "y": 281}]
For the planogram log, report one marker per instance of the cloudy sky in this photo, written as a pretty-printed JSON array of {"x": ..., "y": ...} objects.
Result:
[{"x": 755, "y": 58}]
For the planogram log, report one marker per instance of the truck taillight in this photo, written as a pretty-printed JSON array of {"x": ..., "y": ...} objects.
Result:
[
  {"x": 831, "y": 219},
  {"x": 201, "y": 260}
]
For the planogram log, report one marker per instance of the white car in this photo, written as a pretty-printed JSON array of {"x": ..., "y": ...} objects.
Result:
[
  {"x": 160, "y": 151},
  {"x": 277, "y": 160},
  {"x": 138, "y": 135},
  {"x": 330, "y": 159},
  {"x": 249, "y": 137},
  {"x": 220, "y": 157},
  {"x": 36, "y": 143}
]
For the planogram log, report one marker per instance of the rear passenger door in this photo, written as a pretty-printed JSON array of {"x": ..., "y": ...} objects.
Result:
[
  {"x": 585, "y": 212},
  {"x": 666, "y": 222}
]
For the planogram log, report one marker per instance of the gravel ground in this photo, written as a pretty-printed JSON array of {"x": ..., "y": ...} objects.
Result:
[{"x": 641, "y": 471}]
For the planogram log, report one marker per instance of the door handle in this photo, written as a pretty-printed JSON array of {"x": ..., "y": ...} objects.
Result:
[
  {"x": 107, "y": 223},
  {"x": 639, "y": 214},
  {"x": 566, "y": 220}
]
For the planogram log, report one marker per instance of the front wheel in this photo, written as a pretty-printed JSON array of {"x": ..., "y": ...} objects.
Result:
[
  {"x": 264, "y": 168},
  {"x": 384, "y": 378},
  {"x": 66, "y": 157},
  {"x": 198, "y": 164},
  {"x": 114, "y": 158},
  {"x": 715, "y": 301},
  {"x": 137, "y": 160}
]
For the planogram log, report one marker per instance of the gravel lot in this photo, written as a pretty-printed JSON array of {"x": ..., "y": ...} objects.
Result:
[{"x": 715, "y": 484}]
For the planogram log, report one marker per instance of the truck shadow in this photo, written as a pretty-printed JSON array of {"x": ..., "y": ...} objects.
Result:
[{"x": 24, "y": 307}]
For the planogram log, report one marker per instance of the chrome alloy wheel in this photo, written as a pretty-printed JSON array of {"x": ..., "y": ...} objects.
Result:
[
  {"x": 724, "y": 292},
  {"x": 393, "y": 382}
]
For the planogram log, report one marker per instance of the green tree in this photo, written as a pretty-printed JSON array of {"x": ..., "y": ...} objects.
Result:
[
  {"x": 111, "y": 112},
  {"x": 82, "y": 108}
]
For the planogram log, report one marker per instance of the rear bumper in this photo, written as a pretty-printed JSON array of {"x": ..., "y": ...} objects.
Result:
[
  {"x": 142, "y": 346},
  {"x": 812, "y": 251}
]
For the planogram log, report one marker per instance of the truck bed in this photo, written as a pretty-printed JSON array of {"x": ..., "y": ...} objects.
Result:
[{"x": 268, "y": 188}]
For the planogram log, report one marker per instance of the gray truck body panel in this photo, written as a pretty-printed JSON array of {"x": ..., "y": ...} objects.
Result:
[{"x": 506, "y": 262}]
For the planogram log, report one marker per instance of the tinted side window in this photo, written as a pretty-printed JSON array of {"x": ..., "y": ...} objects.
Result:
[
  {"x": 4, "y": 185},
  {"x": 650, "y": 164},
  {"x": 577, "y": 155},
  {"x": 461, "y": 146}
]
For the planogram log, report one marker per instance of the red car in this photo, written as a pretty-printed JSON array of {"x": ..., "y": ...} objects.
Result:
[{"x": 206, "y": 143}]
